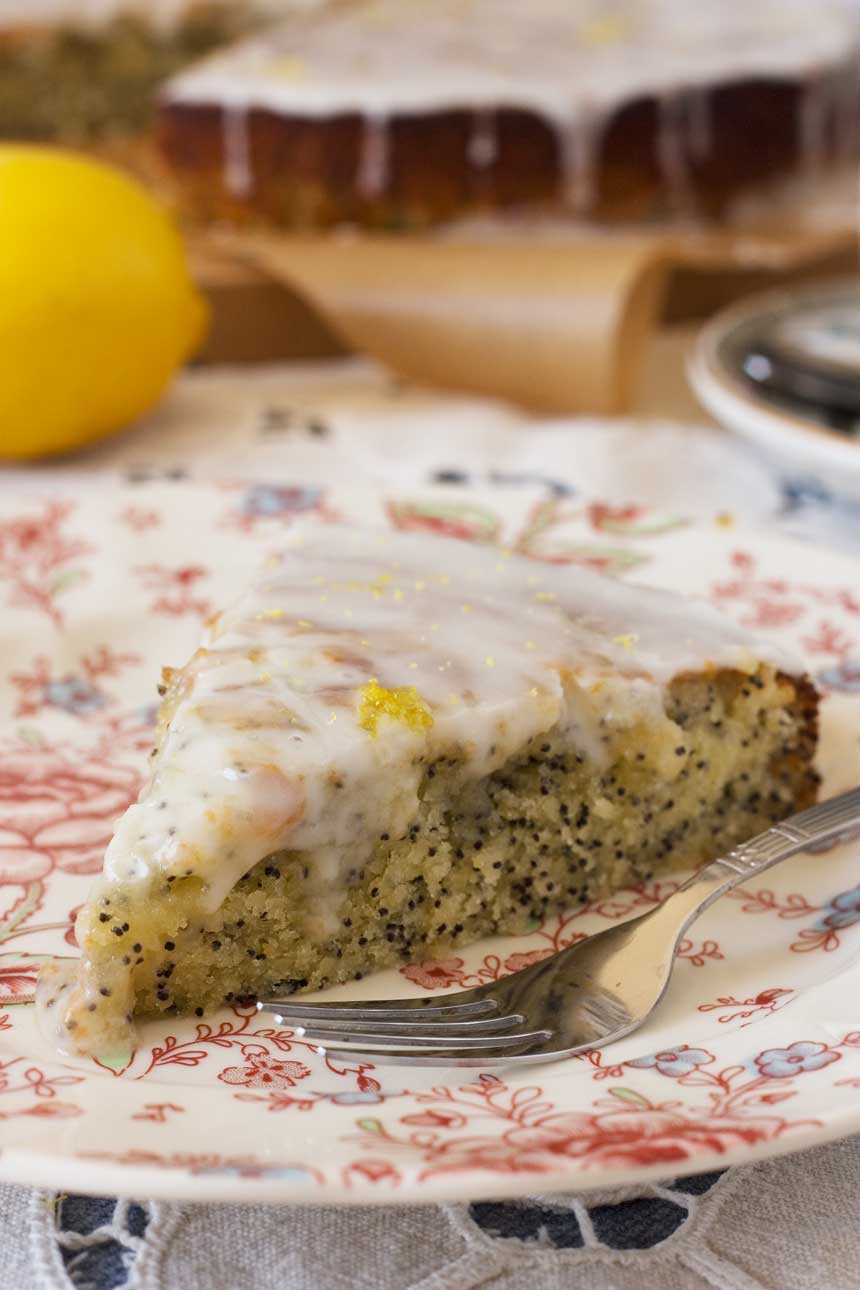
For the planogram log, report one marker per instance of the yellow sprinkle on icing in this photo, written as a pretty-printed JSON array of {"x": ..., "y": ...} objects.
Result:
[
  {"x": 288, "y": 69},
  {"x": 605, "y": 30},
  {"x": 545, "y": 595},
  {"x": 534, "y": 692},
  {"x": 725, "y": 520},
  {"x": 530, "y": 645},
  {"x": 490, "y": 661},
  {"x": 270, "y": 613},
  {"x": 302, "y": 622},
  {"x": 402, "y": 704},
  {"x": 627, "y": 641},
  {"x": 467, "y": 609}
]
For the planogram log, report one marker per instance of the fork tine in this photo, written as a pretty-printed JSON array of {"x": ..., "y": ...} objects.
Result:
[
  {"x": 327, "y": 1025},
  {"x": 370, "y": 1009},
  {"x": 374, "y": 1041}
]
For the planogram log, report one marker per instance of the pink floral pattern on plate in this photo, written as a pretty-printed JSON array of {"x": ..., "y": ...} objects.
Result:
[{"x": 749, "y": 1054}]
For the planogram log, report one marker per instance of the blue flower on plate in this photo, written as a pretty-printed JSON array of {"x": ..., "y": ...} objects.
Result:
[
  {"x": 263, "y": 500},
  {"x": 674, "y": 1061},
  {"x": 74, "y": 694},
  {"x": 844, "y": 676},
  {"x": 557, "y": 487},
  {"x": 806, "y": 1055},
  {"x": 843, "y": 910},
  {"x": 291, "y": 1173},
  {"x": 802, "y": 490}
]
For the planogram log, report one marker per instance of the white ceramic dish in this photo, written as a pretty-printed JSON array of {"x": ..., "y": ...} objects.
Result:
[
  {"x": 810, "y": 456},
  {"x": 755, "y": 1051}
]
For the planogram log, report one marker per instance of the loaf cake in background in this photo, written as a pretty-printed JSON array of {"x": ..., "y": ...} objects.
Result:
[
  {"x": 88, "y": 72},
  {"x": 394, "y": 744},
  {"x": 398, "y": 114}
]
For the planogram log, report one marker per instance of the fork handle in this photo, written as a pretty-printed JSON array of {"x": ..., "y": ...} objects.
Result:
[{"x": 819, "y": 827}]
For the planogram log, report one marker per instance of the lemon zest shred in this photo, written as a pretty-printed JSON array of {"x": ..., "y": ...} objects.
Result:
[{"x": 403, "y": 703}]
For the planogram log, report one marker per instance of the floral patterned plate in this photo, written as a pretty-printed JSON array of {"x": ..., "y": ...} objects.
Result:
[{"x": 755, "y": 1051}]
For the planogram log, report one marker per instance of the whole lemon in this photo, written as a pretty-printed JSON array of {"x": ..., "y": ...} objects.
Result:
[{"x": 97, "y": 309}]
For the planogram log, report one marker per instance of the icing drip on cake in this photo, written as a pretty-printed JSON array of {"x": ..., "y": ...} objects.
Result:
[
  {"x": 372, "y": 177},
  {"x": 828, "y": 117},
  {"x": 700, "y": 125},
  {"x": 238, "y": 171},
  {"x": 848, "y": 113},
  {"x": 674, "y": 147},
  {"x": 579, "y": 142},
  {"x": 813, "y": 121},
  {"x": 483, "y": 146}
]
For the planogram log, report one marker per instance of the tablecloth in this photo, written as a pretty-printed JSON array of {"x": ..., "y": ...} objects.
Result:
[{"x": 782, "y": 1224}]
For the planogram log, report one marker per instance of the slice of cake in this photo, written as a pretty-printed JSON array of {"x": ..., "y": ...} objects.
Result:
[
  {"x": 394, "y": 744},
  {"x": 396, "y": 114}
]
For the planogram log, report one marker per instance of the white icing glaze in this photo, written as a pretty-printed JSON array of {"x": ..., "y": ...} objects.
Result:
[
  {"x": 265, "y": 748},
  {"x": 551, "y": 56}
]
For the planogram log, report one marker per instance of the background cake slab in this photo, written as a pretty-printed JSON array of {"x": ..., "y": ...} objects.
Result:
[{"x": 396, "y": 116}]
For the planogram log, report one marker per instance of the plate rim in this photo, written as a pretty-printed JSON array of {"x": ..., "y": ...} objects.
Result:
[
  {"x": 131, "y": 1182},
  {"x": 727, "y": 399}
]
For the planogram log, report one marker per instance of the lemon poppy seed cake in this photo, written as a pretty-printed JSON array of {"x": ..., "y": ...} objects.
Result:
[{"x": 395, "y": 743}]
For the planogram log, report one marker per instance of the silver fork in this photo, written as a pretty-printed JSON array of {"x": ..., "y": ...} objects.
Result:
[{"x": 589, "y": 994}]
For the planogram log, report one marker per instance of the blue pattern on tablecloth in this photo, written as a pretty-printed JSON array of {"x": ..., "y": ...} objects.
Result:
[{"x": 106, "y": 1264}]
